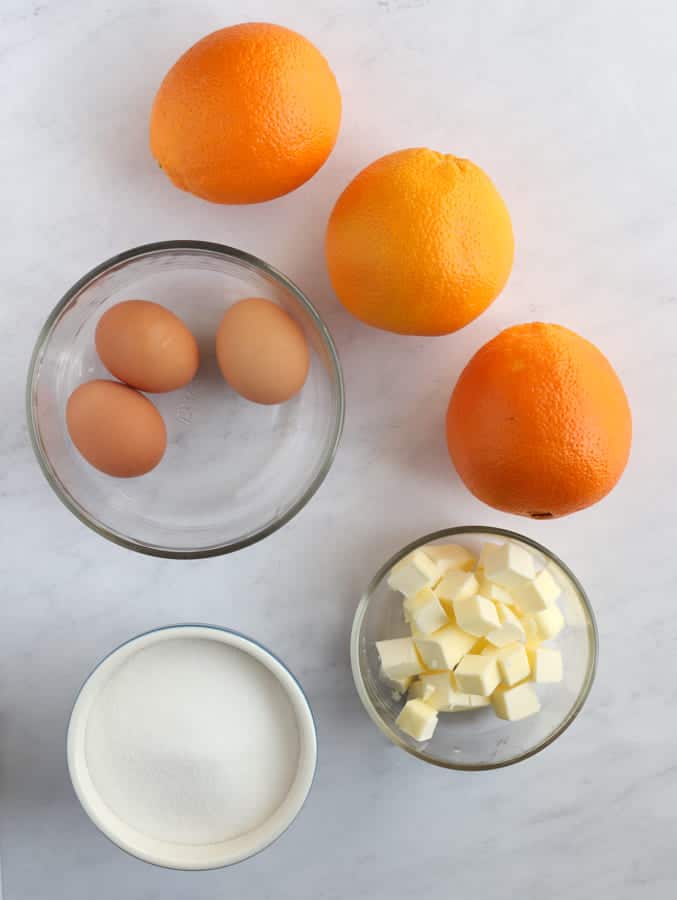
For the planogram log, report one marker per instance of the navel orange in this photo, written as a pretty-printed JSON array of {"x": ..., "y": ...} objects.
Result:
[
  {"x": 247, "y": 114},
  {"x": 419, "y": 243},
  {"x": 538, "y": 423}
]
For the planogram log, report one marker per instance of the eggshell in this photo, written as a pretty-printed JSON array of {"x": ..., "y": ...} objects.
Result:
[
  {"x": 261, "y": 351},
  {"x": 146, "y": 346},
  {"x": 115, "y": 428}
]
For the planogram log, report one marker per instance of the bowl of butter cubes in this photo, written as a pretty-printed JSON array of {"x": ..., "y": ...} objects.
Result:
[{"x": 474, "y": 648}]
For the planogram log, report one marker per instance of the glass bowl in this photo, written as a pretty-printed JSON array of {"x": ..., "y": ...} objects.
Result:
[
  {"x": 234, "y": 471},
  {"x": 476, "y": 739}
]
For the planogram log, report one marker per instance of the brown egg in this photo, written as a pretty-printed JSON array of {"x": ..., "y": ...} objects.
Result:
[
  {"x": 262, "y": 352},
  {"x": 146, "y": 346},
  {"x": 116, "y": 428}
]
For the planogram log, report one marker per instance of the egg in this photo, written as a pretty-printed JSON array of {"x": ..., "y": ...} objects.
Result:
[
  {"x": 261, "y": 351},
  {"x": 115, "y": 428},
  {"x": 146, "y": 346}
]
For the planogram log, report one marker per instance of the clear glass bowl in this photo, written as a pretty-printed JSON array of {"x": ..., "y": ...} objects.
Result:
[
  {"x": 234, "y": 471},
  {"x": 477, "y": 739}
]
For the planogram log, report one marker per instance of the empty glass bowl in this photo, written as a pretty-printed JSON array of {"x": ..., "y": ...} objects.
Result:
[
  {"x": 234, "y": 471},
  {"x": 476, "y": 739}
]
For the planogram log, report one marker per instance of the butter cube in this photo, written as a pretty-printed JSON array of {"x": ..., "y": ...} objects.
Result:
[
  {"x": 508, "y": 565},
  {"x": 464, "y": 701},
  {"x": 413, "y": 573},
  {"x": 470, "y": 701},
  {"x": 445, "y": 648},
  {"x": 477, "y": 675},
  {"x": 457, "y": 699},
  {"x": 420, "y": 690},
  {"x": 513, "y": 664},
  {"x": 438, "y": 691},
  {"x": 400, "y": 686},
  {"x": 493, "y": 591},
  {"x": 456, "y": 585},
  {"x": 399, "y": 659},
  {"x": 418, "y": 720},
  {"x": 485, "y": 551},
  {"x": 424, "y": 612},
  {"x": 476, "y": 615},
  {"x": 537, "y": 595},
  {"x": 546, "y": 664},
  {"x": 531, "y": 630},
  {"x": 510, "y": 629},
  {"x": 451, "y": 556},
  {"x": 515, "y": 703},
  {"x": 546, "y": 624},
  {"x": 478, "y": 701}
]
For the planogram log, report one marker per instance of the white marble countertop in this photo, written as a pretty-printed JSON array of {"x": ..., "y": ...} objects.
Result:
[{"x": 569, "y": 106}]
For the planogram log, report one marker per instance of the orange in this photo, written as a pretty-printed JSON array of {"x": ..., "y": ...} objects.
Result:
[
  {"x": 538, "y": 423},
  {"x": 419, "y": 243},
  {"x": 247, "y": 114}
]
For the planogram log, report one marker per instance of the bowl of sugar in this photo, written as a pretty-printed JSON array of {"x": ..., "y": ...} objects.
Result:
[{"x": 191, "y": 747}]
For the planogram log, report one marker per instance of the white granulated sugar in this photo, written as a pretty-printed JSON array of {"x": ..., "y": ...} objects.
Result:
[{"x": 193, "y": 742}]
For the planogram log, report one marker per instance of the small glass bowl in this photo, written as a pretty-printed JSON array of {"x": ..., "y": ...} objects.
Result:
[
  {"x": 476, "y": 739},
  {"x": 234, "y": 471}
]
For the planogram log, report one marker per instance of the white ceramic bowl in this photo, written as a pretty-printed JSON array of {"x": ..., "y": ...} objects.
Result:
[{"x": 100, "y": 803}]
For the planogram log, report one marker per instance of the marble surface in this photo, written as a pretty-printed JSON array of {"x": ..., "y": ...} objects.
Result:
[{"x": 569, "y": 107}]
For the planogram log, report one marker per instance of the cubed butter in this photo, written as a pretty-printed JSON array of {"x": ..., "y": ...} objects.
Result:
[
  {"x": 508, "y": 565},
  {"x": 513, "y": 664},
  {"x": 418, "y": 720},
  {"x": 548, "y": 623},
  {"x": 424, "y": 612},
  {"x": 413, "y": 573},
  {"x": 420, "y": 690},
  {"x": 477, "y": 675},
  {"x": 399, "y": 659},
  {"x": 476, "y": 615},
  {"x": 456, "y": 585},
  {"x": 477, "y": 701},
  {"x": 509, "y": 630},
  {"x": 462, "y": 700},
  {"x": 545, "y": 664},
  {"x": 537, "y": 595},
  {"x": 437, "y": 690},
  {"x": 451, "y": 556},
  {"x": 400, "y": 686},
  {"x": 493, "y": 591},
  {"x": 444, "y": 649},
  {"x": 515, "y": 703},
  {"x": 531, "y": 630},
  {"x": 485, "y": 551},
  {"x": 470, "y": 701}
]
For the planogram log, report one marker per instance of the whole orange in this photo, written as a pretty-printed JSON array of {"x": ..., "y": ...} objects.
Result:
[
  {"x": 538, "y": 423},
  {"x": 247, "y": 114},
  {"x": 419, "y": 243}
]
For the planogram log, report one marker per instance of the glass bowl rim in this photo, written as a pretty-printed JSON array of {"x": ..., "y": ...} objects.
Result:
[
  {"x": 118, "y": 261},
  {"x": 361, "y": 612},
  {"x": 244, "y": 639}
]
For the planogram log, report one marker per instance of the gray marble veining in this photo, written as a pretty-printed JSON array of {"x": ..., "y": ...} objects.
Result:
[{"x": 569, "y": 108}]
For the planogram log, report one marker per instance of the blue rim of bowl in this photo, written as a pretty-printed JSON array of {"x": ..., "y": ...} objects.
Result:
[
  {"x": 361, "y": 611},
  {"x": 50, "y": 474},
  {"x": 247, "y": 639}
]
